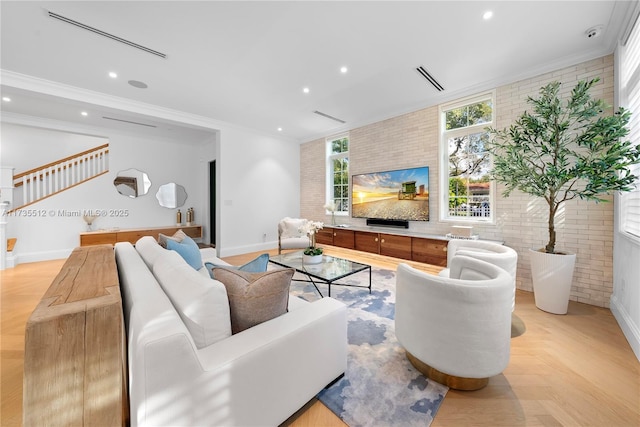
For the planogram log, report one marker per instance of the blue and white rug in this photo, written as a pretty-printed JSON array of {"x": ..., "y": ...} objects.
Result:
[{"x": 380, "y": 386}]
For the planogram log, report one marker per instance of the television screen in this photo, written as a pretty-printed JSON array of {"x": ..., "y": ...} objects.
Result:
[{"x": 396, "y": 195}]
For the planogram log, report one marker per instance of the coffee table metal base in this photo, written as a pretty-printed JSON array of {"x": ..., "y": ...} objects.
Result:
[
  {"x": 328, "y": 272},
  {"x": 331, "y": 282}
]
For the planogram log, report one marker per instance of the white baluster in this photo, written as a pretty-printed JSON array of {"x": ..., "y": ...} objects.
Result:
[
  {"x": 50, "y": 180},
  {"x": 25, "y": 198},
  {"x": 33, "y": 179},
  {"x": 56, "y": 178}
]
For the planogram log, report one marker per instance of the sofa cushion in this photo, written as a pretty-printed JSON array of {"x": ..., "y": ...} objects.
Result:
[
  {"x": 149, "y": 250},
  {"x": 178, "y": 237},
  {"x": 188, "y": 249},
  {"x": 255, "y": 297},
  {"x": 257, "y": 265},
  {"x": 201, "y": 302}
]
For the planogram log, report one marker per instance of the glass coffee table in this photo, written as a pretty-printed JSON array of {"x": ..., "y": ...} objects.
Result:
[{"x": 327, "y": 272}]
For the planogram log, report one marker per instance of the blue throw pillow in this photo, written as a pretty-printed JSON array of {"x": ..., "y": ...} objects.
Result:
[
  {"x": 188, "y": 249},
  {"x": 258, "y": 265}
]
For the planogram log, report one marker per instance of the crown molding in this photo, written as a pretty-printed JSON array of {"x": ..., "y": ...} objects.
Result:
[
  {"x": 445, "y": 97},
  {"x": 60, "y": 90}
]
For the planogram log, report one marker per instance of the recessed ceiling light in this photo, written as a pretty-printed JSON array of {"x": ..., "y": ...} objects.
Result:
[
  {"x": 343, "y": 70},
  {"x": 113, "y": 75},
  {"x": 279, "y": 129},
  {"x": 305, "y": 90},
  {"x": 84, "y": 113},
  {"x": 487, "y": 15},
  {"x": 6, "y": 99}
]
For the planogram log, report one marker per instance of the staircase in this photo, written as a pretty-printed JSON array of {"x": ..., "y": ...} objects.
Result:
[{"x": 50, "y": 179}]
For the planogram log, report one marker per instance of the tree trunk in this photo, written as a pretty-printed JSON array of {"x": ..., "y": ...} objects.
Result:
[{"x": 551, "y": 245}]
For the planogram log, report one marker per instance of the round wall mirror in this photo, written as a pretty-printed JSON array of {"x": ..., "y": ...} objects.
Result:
[
  {"x": 132, "y": 183},
  {"x": 171, "y": 195}
]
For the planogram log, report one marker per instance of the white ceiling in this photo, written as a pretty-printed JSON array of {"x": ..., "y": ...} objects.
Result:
[{"x": 246, "y": 63}]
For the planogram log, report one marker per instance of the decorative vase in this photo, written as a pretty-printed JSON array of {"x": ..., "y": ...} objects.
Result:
[
  {"x": 311, "y": 259},
  {"x": 333, "y": 218},
  {"x": 552, "y": 276}
]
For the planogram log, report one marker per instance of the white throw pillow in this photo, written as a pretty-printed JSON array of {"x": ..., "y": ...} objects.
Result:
[
  {"x": 291, "y": 227},
  {"x": 201, "y": 302}
]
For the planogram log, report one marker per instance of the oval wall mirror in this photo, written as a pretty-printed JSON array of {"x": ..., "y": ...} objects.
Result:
[
  {"x": 132, "y": 183},
  {"x": 171, "y": 195}
]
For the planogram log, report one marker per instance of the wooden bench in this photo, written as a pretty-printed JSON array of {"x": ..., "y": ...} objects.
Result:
[{"x": 75, "y": 371}]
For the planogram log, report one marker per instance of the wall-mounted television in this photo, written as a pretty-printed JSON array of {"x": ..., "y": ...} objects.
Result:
[{"x": 401, "y": 194}]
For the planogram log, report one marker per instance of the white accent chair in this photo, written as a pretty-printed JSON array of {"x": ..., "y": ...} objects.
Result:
[
  {"x": 289, "y": 234},
  {"x": 494, "y": 253},
  {"x": 456, "y": 330}
]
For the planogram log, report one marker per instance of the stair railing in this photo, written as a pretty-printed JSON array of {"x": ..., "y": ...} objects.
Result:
[{"x": 54, "y": 177}]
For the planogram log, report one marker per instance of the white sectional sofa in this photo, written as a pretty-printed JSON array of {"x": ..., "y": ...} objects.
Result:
[{"x": 260, "y": 376}]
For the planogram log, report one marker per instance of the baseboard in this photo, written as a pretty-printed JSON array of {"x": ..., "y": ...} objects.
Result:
[
  {"x": 629, "y": 329},
  {"x": 42, "y": 256},
  {"x": 240, "y": 250},
  {"x": 10, "y": 260}
]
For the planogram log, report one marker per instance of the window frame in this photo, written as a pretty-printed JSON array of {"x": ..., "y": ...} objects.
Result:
[
  {"x": 629, "y": 90},
  {"x": 330, "y": 186},
  {"x": 445, "y": 135}
]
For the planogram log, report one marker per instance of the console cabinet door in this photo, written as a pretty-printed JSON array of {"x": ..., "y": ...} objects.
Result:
[
  {"x": 367, "y": 242},
  {"x": 429, "y": 251},
  {"x": 343, "y": 238},
  {"x": 395, "y": 246},
  {"x": 324, "y": 236}
]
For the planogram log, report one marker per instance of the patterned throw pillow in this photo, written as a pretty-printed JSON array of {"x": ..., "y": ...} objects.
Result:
[
  {"x": 188, "y": 249},
  {"x": 258, "y": 265},
  {"x": 178, "y": 237},
  {"x": 255, "y": 297}
]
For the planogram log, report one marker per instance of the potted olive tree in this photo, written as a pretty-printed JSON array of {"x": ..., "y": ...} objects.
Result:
[{"x": 562, "y": 150}]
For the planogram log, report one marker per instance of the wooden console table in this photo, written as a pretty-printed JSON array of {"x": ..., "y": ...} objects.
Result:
[
  {"x": 111, "y": 237},
  {"x": 75, "y": 371}
]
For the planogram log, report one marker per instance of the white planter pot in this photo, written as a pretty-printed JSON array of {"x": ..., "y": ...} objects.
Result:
[
  {"x": 552, "y": 276},
  {"x": 311, "y": 259}
]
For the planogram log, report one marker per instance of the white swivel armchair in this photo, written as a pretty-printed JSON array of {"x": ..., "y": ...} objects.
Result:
[
  {"x": 456, "y": 330},
  {"x": 494, "y": 253},
  {"x": 289, "y": 234}
]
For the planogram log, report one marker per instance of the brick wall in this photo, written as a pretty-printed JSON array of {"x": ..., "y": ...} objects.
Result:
[{"x": 412, "y": 139}]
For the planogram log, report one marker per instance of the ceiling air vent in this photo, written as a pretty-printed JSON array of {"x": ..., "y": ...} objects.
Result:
[
  {"x": 320, "y": 113},
  {"x": 424, "y": 73},
  {"x": 129, "y": 121},
  {"x": 105, "y": 34}
]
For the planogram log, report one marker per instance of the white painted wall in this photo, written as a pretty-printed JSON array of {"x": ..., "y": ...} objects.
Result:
[
  {"x": 258, "y": 183},
  {"x": 19, "y": 143},
  {"x": 50, "y": 228},
  {"x": 625, "y": 300}
]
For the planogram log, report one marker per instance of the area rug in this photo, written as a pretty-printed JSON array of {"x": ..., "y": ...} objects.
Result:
[{"x": 380, "y": 386}]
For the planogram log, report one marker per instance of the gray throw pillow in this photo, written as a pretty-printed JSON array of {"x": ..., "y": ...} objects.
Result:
[{"x": 255, "y": 297}]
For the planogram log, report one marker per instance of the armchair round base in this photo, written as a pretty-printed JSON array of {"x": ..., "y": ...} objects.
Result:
[{"x": 451, "y": 381}]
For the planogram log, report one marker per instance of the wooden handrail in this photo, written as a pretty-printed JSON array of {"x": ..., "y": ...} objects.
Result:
[
  {"x": 19, "y": 183},
  {"x": 56, "y": 192},
  {"x": 20, "y": 175}
]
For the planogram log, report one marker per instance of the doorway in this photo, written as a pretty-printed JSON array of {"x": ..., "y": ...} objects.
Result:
[{"x": 212, "y": 202}]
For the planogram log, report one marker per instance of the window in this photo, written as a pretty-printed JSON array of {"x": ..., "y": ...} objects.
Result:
[
  {"x": 467, "y": 192},
  {"x": 630, "y": 99},
  {"x": 338, "y": 173}
]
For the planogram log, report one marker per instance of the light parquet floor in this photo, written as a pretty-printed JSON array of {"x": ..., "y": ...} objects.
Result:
[{"x": 573, "y": 370}]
